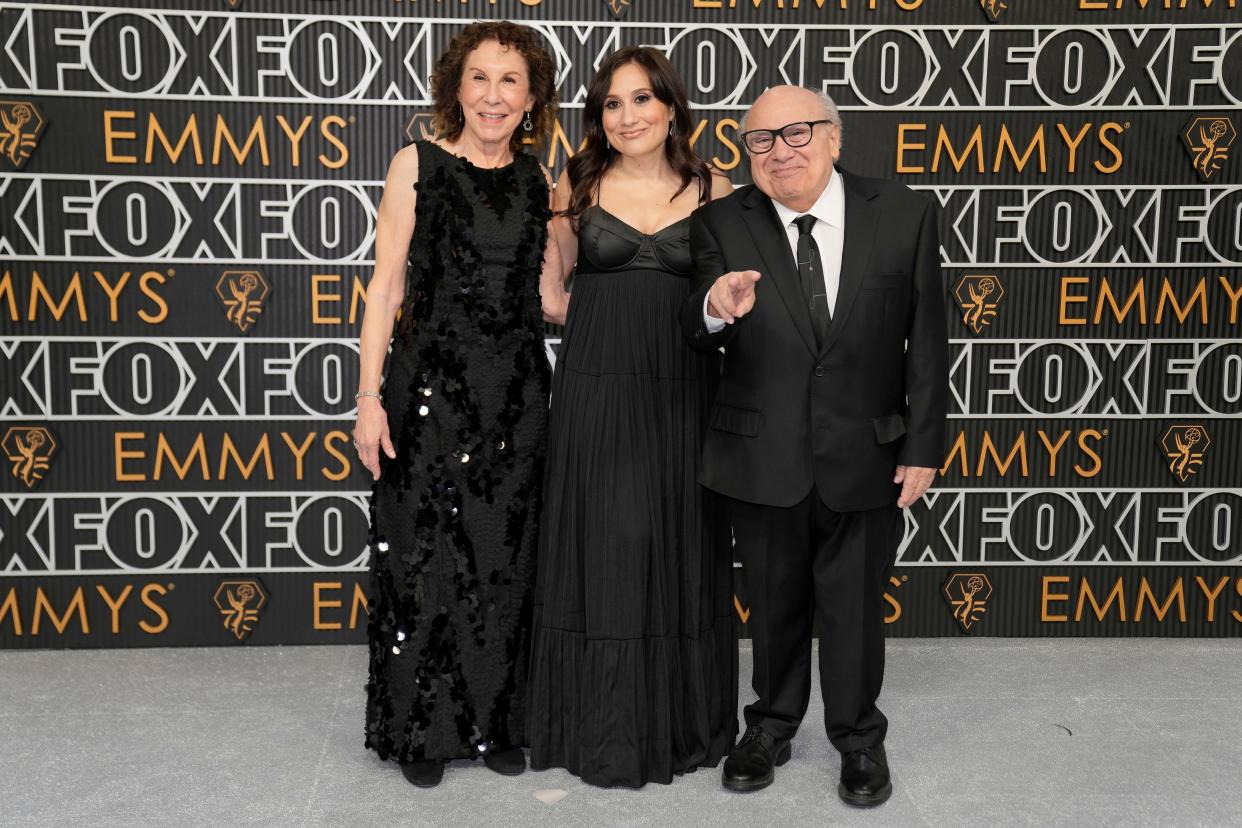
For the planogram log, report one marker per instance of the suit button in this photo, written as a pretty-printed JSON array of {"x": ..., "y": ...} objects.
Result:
[{"x": 819, "y": 371}]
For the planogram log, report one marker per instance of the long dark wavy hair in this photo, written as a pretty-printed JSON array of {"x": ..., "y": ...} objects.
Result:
[
  {"x": 446, "y": 79},
  {"x": 590, "y": 163}
]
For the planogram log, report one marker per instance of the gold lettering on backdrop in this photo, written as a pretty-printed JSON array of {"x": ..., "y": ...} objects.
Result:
[
  {"x": 145, "y": 282},
  {"x": 189, "y": 135},
  {"x": 131, "y": 137},
  {"x": 1109, "y": 299},
  {"x": 319, "y": 604},
  {"x": 357, "y": 607},
  {"x": 1009, "y": 151},
  {"x": 10, "y": 610},
  {"x": 73, "y": 300},
  {"x": 1167, "y": 5},
  {"x": 1109, "y": 601},
  {"x": 1047, "y": 597},
  {"x": 115, "y": 604},
  {"x": 198, "y": 451},
  {"x": 323, "y": 295},
  {"x": 112, "y": 134},
  {"x": 998, "y": 456},
  {"x": 1211, "y": 594},
  {"x": 38, "y": 291},
  {"x": 793, "y": 5},
  {"x": 148, "y": 600},
  {"x": 895, "y": 606},
  {"x": 1116, "y": 594},
  {"x": 333, "y": 138},
  {"x": 139, "y": 456},
  {"x": 1176, "y": 595},
  {"x": 77, "y": 614},
  {"x": 43, "y": 606}
]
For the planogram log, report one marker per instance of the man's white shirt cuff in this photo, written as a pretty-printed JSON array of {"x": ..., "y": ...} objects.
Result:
[{"x": 710, "y": 322}]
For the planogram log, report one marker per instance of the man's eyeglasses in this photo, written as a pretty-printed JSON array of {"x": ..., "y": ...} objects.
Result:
[{"x": 797, "y": 134}]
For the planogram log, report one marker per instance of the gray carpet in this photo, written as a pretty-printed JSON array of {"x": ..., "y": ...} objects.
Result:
[{"x": 982, "y": 731}]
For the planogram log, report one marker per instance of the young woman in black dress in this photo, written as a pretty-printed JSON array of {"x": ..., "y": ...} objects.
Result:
[{"x": 633, "y": 667}]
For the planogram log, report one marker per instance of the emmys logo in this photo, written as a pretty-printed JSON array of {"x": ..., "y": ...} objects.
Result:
[
  {"x": 968, "y": 594},
  {"x": 240, "y": 603},
  {"x": 978, "y": 296},
  {"x": 1208, "y": 141},
  {"x": 993, "y": 8},
  {"x": 243, "y": 293},
  {"x": 618, "y": 7},
  {"x": 30, "y": 450},
  {"x": 21, "y": 124},
  {"x": 420, "y": 127},
  {"x": 1184, "y": 447}
]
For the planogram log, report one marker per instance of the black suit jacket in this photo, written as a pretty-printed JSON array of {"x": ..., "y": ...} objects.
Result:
[{"x": 789, "y": 414}]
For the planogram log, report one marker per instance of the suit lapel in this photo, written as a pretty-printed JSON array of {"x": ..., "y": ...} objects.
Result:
[
  {"x": 861, "y": 221},
  {"x": 772, "y": 242}
]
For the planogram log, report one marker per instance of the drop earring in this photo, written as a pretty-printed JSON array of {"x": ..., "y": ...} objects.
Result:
[
  {"x": 670, "y": 128},
  {"x": 527, "y": 125}
]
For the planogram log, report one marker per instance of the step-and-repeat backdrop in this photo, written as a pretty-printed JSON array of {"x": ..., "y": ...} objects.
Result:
[{"x": 188, "y": 195}]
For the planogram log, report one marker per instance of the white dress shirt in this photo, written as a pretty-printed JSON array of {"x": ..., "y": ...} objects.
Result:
[{"x": 829, "y": 235}]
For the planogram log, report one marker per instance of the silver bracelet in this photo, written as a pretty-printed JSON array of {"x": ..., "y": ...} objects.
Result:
[{"x": 362, "y": 394}]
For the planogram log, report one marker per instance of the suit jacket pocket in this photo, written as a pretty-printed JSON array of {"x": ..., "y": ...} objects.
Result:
[
  {"x": 888, "y": 428},
  {"x": 888, "y": 280},
  {"x": 742, "y": 421}
]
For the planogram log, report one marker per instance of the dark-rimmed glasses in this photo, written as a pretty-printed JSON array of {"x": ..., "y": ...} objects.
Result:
[{"x": 797, "y": 134}]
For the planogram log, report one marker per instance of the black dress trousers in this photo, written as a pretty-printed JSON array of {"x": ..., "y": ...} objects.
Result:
[{"x": 809, "y": 562}]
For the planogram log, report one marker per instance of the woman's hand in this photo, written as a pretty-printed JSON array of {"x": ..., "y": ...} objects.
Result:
[
  {"x": 371, "y": 434},
  {"x": 551, "y": 285}
]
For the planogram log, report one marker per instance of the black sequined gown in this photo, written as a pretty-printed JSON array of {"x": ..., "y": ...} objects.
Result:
[
  {"x": 634, "y": 656},
  {"x": 455, "y": 515}
]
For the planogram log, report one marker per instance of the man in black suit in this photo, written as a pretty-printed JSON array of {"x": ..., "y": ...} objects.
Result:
[{"x": 824, "y": 289}]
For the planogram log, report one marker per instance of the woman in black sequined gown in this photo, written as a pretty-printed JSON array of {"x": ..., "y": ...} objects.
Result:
[
  {"x": 460, "y": 252},
  {"x": 634, "y": 658}
]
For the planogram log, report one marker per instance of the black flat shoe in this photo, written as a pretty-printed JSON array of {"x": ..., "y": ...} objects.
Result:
[
  {"x": 749, "y": 766},
  {"x": 424, "y": 774},
  {"x": 511, "y": 762},
  {"x": 864, "y": 777}
]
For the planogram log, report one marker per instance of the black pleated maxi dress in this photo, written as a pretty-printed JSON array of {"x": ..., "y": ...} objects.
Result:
[
  {"x": 634, "y": 657},
  {"x": 455, "y": 515}
]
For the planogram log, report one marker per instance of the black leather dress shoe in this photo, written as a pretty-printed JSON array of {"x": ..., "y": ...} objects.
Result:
[
  {"x": 426, "y": 773},
  {"x": 511, "y": 762},
  {"x": 749, "y": 766},
  {"x": 864, "y": 777}
]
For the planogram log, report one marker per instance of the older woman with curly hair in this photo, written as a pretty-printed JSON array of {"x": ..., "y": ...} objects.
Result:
[{"x": 455, "y": 434}]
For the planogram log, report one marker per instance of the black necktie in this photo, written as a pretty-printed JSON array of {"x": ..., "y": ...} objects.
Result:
[{"x": 810, "y": 271}]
